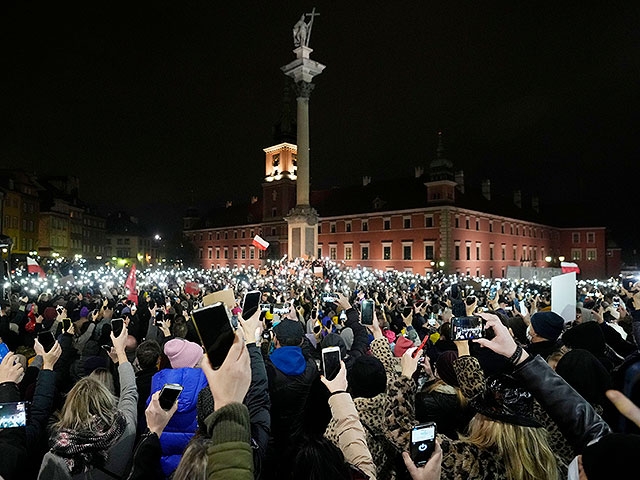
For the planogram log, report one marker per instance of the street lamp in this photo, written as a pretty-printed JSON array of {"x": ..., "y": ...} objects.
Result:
[
  {"x": 158, "y": 237},
  {"x": 561, "y": 259},
  {"x": 548, "y": 259}
]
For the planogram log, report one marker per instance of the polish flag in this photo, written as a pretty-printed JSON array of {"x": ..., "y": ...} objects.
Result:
[
  {"x": 260, "y": 242},
  {"x": 33, "y": 267},
  {"x": 568, "y": 267}
]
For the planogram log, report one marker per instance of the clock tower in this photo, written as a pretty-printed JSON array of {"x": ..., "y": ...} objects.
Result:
[{"x": 279, "y": 187}]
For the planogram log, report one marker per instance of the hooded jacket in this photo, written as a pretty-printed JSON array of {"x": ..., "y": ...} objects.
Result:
[{"x": 184, "y": 423}]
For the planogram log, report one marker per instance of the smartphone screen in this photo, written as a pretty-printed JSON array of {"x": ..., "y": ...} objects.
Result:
[
  {"x": 265, "y": 307},
  {"x": 215, "y": 332},
  {"x": 330, "y": 297},
  {"x": 250, "y": 304},
  {"x": 117, "y": 324},
  {"x": 47, "y": 340},
  {"x": 331, "y": 362},
  {"x": 169, "y": 394},
  {"x": 423, "y": 443},
  {"x": 13, "y": 415},
  {"x": 367, "y": 312},
  {"x": 3, "y": 351},
  {"x": 66, "y": 324},
  {"x": 281, "y": 308},
  {"x": 467, "y": 328}
]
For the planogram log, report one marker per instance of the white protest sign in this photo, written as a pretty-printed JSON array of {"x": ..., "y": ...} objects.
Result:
[{"x": 563, "y": 296}]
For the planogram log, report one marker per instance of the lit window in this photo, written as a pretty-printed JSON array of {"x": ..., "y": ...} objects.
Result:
[
  {"x": 364, "y": 252},
  {"x": 576, "y": 254},
  {"x": 348, "y": 252},
  {"x": 591, "y": 254}
]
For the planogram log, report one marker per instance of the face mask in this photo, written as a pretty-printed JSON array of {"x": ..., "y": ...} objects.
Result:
[{"x": 529, "y": 336}]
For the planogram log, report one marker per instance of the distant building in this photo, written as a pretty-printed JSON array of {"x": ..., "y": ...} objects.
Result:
[
  {"x": 128, "y": 242},
  {"x": 422, "y": 224},
  {"x": 19, "y": 212}
]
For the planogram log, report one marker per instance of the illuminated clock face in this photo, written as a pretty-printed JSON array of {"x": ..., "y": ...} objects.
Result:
[{"x": 275, "y": 160}]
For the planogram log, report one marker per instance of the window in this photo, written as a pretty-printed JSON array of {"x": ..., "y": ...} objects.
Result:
[
  {"x": 209, "y": 236},
  {"x": 515, "y": 252},
  {"x": 119, "y": 241},
  {"x": 457, "y": 222},
  {"x": 457, "y": 251},
  {"x": 209, "y": 253},
  {"x": 333, "y": 252},
  {"x": 348, "y": 252},
  {"x": 591, "y": 254},
  {"x": 273, "y": 231},
  {"x": 428, "y": 221},
  {"x": 406, "y": 252},
  {"x": 217, "y": 235},
  {"x": 320, "y": 251},
  {"x": 575, "y": 238},
  {"x": 226, "y": 253},
  {"x": 274, "y": 212},
  {"x": 502, "y": 228},
  {"x": 333, "y": 227},
  {"x": 591, "y": 238},
  {"x": 491, "y": 251},
  {"x": 477, "y": 272},
  {"x": 511, "y": 229},
  {"x": 252, "y": 233},
  {"x": 364, "y": 252},
  {"x": 199, "y": 253},
  {"x": 235, "y": 234},
  {"x": 235, "y": 253},
  {"x": 491, "y": 272},
  {"x": 218, "y": 253},
  {"x": 576, "y": 254},
  {"x": 252, "y": 252},
  {"x": 517, "y": 229},
  {"x": 243, "y": 233},
  {"x": 319, "y": 228},
  {"x": 468, "y": 252},
  {"x": 387, "y": 224},
  {"x": 347, "y": 227},
  {"x": 386, "y": 252},
  {"x": 477, "y": 251},
  {"x": 467, "y": 223},
  {"x": 365, "y": 225},
  {"x": 477, "y": 224},
  {"x": 243, "y": 253},
  {"x": 226, "y": 235},
  {"x": 490, "y": 226},
  {"x": 428, "y": 251},
  {"x": 406, "y": 222}
]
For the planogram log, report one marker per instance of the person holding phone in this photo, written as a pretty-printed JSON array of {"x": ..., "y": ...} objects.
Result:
[{"x": 96, "y": 431}]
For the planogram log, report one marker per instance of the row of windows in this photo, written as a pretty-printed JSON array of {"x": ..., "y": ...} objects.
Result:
[
  {"x": 27, "y": 244},
  {"x": 225, "y": 235},
  {"x": 407, "y": 251},
  {"x": 528, "y": 254},
  {"x": 527, "y": 231},
  {"x": 90, "y": 222},
  {"x": 591, "y": 254},
  {"x": 225, "y": 252},
  {"x": 591, "y": 237},
  {"x": 386, "y": 224},
  {"x": 12, "y": 222},
  {"x": 58, "y": 223},
  {"x": 92, "y": 248}
]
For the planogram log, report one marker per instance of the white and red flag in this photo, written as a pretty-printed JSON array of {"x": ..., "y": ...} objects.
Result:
[
  {"x": 33, "y": 267},
  {"x": 568, "y": 267},
  {"x": 260, "y": 242}
]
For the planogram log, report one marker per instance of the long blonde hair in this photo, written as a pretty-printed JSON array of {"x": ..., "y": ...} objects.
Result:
[
  {"x": 524, "y": 450},
  {"x": 462, "y": 400},
  {"x": 89, "y": 400},
  {"x": 194, "y": 461}
]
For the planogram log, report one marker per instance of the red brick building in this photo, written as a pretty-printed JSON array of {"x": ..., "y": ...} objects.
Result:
[{"x": 419, "y": 224}]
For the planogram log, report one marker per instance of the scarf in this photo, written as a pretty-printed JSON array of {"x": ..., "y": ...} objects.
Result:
[{"x": 83, "y": 450}]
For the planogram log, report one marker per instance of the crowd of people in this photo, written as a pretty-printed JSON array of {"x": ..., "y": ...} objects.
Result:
[{"x": 526, "y": 396}]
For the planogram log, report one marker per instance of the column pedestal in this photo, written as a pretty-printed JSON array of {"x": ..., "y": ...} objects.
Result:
[{"x": 303, "y": 232}]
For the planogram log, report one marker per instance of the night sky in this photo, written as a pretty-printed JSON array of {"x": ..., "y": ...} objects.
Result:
[{"x": 149, "y": 101}]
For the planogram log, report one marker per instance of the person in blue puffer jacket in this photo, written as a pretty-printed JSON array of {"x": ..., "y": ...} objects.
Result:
[{"x": 185, "y": 358}]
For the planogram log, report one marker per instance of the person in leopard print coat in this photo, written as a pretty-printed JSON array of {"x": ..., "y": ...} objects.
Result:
[{"x": 371, "y": 405}]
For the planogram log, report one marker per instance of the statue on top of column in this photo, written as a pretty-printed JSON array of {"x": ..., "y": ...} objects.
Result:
[{"x": 302, "y": 29}]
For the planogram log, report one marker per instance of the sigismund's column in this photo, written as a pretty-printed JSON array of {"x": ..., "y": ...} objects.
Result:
[{"x": 303, "y": 219}]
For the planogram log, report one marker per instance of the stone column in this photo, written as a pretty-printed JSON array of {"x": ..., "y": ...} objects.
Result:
[
  {"x": 304, "y": 90},
  {"x": 303, "y": 219}
]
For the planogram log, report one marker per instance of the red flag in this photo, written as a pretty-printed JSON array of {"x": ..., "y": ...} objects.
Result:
[
  {"x": 568, "y": 267},
  {"x": 130, "y": 284},
  {"x": 192, "y": 288},
  {"x": 260, "y": 242},
  {"x": 33, "y": 267}
]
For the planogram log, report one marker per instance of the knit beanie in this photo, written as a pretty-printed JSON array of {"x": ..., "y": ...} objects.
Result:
[
  {"x": 182, "y": 353},
  {"x": 547, "y": 325},
  {"x": 84, "y": 312},
  {"x": 347, "y": 336},
  {"x": 367, "y": 377},
  {"x": 50, "y": 314},
  {"x": 402, "y": 345},
  {"x": 335, "y": 340}
]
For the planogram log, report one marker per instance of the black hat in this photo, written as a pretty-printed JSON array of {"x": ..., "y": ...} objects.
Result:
[
  {"x": 611, "y": 456},
  {"x": 548, "y": 325},
  {"x": 506, "y": 401},
  {"x": 289, "y": 332},
  {"x": 367, "y": 377}
]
